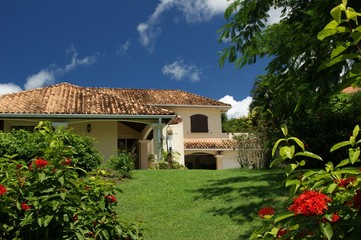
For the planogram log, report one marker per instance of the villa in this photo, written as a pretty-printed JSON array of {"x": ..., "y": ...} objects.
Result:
[{"x": 144, "y": 122}]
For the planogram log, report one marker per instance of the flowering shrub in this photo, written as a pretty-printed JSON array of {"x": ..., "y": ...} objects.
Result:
[
  {"x": 49, "y": 200},
  {"x": 325, "y": 203}
]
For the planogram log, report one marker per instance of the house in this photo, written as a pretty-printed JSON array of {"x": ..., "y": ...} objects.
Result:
[{"x": 140, "y": 121}]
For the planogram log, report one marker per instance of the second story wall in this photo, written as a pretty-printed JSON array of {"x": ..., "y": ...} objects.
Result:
[{"x": 201, "y": 116}]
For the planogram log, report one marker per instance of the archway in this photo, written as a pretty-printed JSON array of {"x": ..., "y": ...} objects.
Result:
[{"x": 200, "y": 161}]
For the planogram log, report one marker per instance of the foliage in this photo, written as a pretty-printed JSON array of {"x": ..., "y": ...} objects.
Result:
[
  {"x": 123, "y": 164},
  {"x": 168, "y": 161},
  {"x": 295, "y": 90},
  {"x": 51, "y": 144},
  {"x": 236, "y": 125},
  {"x": 44, "y": 199},
  {"x": 326, "y": 202}
]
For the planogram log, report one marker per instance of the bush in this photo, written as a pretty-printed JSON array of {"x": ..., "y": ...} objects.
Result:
[
  {"x": 44, "y": 199},
  {"x": 168, "y": 161},
  {"x": 123, "y": 164},
  {"x": 326, "y": 203},
  {"x": 51, "y": 144}
]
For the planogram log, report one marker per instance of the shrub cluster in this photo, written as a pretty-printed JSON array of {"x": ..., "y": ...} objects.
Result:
[
  {"x": 46, "y": 198},
  {"x": 122, "y": 164},
  {"x": 51, "y": 144}
]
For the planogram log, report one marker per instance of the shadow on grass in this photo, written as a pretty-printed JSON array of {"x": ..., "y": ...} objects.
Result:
[{"x": 241, "y": 197}]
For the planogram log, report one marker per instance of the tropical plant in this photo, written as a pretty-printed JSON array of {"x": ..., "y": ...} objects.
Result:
[{"x": 325, "y": 203}]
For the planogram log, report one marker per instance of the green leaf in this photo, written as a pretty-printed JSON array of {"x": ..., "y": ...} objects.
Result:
[
  {"x": 343, "y": 163},
  {"x": 61, "y": 180},
  {"x": 41, "y": 176},
  {"x": 283, "y": 216},
  {"x": 287, "y": 152},
  {"x": 309, "y": 154},
  {"x": 63, "y": 195},
  {"x": 354, "y": 155},
  {"x": 329, "y": 166},
  {"x": 290, "y": 168},
  {"x": 331, "y": 25},
  {"x": 340, "y": 145},
  {"x": 355, "y": 131},
  {"x": 276, "y": 162},
  {"x": 275, "y": 146},
  {"x": 336, "y": 13},
  {"x": 293, "y": 182},
  {"x": 338, "y": 59},
  {"x": 329, "y": 32},
  {"x": 327, "y": 230},
  {"x": 284, "y": 130},
  {"x": 302, "y": 163},
  {"x": 340, "y": 49},
  {"x": 299, "y": 142},
  {"x": 47, "y": 220},
  {"x": 332, "y": 187}
]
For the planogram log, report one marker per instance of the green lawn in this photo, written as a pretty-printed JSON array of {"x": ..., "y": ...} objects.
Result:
[{"x": 199, "y": 204}]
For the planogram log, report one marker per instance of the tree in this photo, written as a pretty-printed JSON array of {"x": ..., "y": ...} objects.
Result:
[{"x": 297, "y": 89}]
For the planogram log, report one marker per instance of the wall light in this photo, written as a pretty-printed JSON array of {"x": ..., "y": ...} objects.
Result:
[{"x": 88, "y": 128}]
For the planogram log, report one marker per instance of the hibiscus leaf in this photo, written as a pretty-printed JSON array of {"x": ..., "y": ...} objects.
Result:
[{"x": 327, "y": 230}]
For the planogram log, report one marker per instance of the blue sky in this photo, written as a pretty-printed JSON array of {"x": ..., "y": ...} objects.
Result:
[{"x": 160, "y": 44}]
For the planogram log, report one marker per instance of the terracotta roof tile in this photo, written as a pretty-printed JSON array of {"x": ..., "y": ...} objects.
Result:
[
  {"x": 351, "y": 89},
  {"x": 66, "y": 98},
  {"x": 220, "y": 144}
]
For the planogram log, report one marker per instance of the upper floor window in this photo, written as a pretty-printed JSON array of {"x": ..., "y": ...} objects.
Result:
[{"x": 199, "y": 123}]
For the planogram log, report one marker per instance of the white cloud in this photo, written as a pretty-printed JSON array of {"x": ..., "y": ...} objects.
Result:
[
  {"x": 9, "y": 88},
  {"x": 40, "y": 79},
  {"x": 239, "y": 108},
  {"x": 48, "y": 76},
  {"x": 192, "y": 10},
  {"x": 123, "y": 48},
  {"x": 180, "y": 71}
]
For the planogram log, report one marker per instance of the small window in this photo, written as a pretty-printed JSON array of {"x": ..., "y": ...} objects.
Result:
[{"x": 199, "y": 123}]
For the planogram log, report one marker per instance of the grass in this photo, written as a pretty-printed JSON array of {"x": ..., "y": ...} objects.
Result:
[{"x": 200, "y": 204}]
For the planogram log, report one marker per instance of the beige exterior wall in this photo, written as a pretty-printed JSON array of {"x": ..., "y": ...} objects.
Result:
[
  {"x": 214, "y": 122},
  {"x": 105, "y": 133}
]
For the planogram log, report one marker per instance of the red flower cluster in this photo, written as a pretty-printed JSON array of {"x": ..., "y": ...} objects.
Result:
[
  {"x": 67, "y": 162},
  {"x": 2, "y": 190},
  {"x": 310, "y": 203},
  {"x": 40, "y": 163},
  {"x": 25, "y": 207},
  {"x": 266, "y": 211},
  {"x": 110, "y": 199},
  {"x": 345, "y": 182}
]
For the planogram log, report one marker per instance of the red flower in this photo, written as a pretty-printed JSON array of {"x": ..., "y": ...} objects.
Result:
[
  {"x": 310, "y": 203},
  {"x": 40, "y": 163},
  {"x": 18, "y": 166},
  {"x": 110, "y": 199},
  {"x": 67, "y": 162},
  {"x": 266, "y": 211},
  {"x": 75, "y": 218},
  {"x": 25, "y": 207},
  {"x": 345, "y": 182},
  {"x": 281, "y": 232},
  {"x": 2, "y": 190}
]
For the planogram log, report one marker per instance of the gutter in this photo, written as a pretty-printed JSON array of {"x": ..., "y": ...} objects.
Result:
[{"x": 83, "y": 116}]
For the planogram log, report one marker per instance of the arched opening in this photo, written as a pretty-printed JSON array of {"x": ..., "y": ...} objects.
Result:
[{"x": 200, "y": 161}]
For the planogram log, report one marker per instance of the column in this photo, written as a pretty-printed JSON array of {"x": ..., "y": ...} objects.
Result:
[
  {"x": 219, "y": 161},
  {"x": 143, "y": 153}
]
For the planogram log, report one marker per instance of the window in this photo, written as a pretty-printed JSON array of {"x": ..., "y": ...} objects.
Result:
[
  {"x": 199, "y": 123},
  {"x": 126, "y": 144}
]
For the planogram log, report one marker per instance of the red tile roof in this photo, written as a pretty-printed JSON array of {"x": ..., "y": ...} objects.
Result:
[
  {"x": 65, "y": 98},
  {"x": 209, "y": 143}
]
